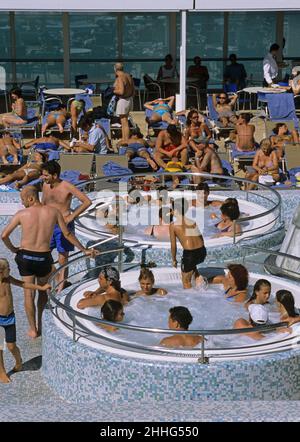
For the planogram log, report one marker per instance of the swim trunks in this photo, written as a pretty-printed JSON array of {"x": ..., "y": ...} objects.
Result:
[
  {"x": 9, "y": 324},
  {"x": 59, "y": 242},
  {"x": 31, "y": 263},
  {"x": 191, "y": 258},
  {"x": 136, "y": 147}
]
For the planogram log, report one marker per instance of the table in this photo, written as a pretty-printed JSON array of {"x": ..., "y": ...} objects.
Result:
[
  {"x": 264, "y": 90},
  {"x": 64, "y": 91}
]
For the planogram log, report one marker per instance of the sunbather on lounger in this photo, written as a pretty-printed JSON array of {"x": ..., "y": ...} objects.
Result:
[
  {"x": 162, "y": 110},
  {"x": 57, "y": 117},
  {"x": 224, "y": 107},
  {"x": 8, "y": 146},
  {"x": 136, "y": 146}
]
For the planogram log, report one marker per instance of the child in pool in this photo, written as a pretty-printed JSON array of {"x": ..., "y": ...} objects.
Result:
[
  {"x": 179, "y": 319},
  {"x": 258, "y": 315},
  {"x": 7, "y": 315},
  {"x": 146, "y": 280},
  {"x": 111, "y": 311},
  {"x": 261, "y": 293}
]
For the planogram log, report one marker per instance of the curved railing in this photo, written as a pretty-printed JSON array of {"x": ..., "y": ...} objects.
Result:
[
  {"x": 274, "y": 201},
  {"x": 79, "y": 332}
]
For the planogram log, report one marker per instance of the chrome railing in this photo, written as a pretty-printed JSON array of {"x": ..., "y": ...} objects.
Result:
[
  {"x": 274, "y": 201},
  {"x": 79, "y": 331}
]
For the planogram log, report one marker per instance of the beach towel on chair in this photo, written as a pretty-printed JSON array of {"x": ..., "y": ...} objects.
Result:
[
  {"x": 114, "y": 169},
  {"x": 282, "y": 107}
]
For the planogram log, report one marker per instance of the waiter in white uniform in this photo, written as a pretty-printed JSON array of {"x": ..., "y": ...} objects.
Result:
[{"x": 270, "y": 66}]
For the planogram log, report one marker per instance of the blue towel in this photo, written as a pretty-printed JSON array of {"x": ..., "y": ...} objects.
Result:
[
  {"x": 282, "y": 107},
  {"x": 113, "y": 169},
  {"x": 213, "y": 114}
]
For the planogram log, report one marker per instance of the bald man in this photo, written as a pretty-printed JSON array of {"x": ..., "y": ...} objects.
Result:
[
  {"x": 33, "y": 257},
  {"x": 124, "y": 89}
]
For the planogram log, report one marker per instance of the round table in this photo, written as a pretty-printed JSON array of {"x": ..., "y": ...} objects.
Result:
[
  {"x": 264, "y": 90},
  {"x": 64, "y": 91}
]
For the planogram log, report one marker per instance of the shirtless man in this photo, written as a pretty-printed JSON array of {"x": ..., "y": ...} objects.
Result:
[
  {"x": 47, "y": 142},
  {"x": 9, "y": 146},
  {"x": 245, "y": 134},
  {"x": 180, "y": 318},
  {"x": 58, "y": 193},
  {"x": 206, "y": 160},
  {"x": 187, "y": 232},
  {"x": 170, "y": 142},
  {"x": 124, "y": 89},
  {"x": 33, "y": 257}
]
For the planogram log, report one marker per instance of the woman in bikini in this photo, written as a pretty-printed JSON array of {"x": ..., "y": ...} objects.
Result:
[
  {"x": 31, "y": 171},
  {"x": 160, "y": 231},
  {"x": 18, "y": 115},
  {"x": 235, "y": 282},
  {"x": 265, "y": 162},
  {"x": 162, "y": 109},
  {"x": 57, "y": 117},
  {"x": 196, "y": 126},
  {"x": 227, "y": 227},
  {"x": 224, "y": 107}
]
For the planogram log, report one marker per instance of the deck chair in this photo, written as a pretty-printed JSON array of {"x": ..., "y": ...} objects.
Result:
[
  {"x": 33, "y": 115},
  {"x": 269, "y": 126},
  {"x": 76, "y": 161}
]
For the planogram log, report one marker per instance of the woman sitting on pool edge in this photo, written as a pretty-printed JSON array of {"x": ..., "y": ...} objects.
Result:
[
  {"x": 179, "y": 319},
  {"x": 146, "y": 280},
  {"x": 111, "y": 311},
  {"x": 109, "y": 288}
]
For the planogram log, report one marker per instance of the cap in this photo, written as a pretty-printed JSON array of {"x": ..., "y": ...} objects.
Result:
[
  {"x": 258, "y": 313},
  {"x": 110, "y": 273}
]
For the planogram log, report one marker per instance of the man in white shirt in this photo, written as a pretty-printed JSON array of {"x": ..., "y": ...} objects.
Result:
[
  {"x": 96, "y": 138},
  {"x": 270, "y": 66}
]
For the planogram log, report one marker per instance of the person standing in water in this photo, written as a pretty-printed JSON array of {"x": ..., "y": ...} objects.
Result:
[{"x": 191, "y": 240}]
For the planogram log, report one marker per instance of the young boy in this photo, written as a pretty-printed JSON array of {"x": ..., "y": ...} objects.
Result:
[
  {"x": 180, "y": 318},
  {"x": 7, "y": 315}
]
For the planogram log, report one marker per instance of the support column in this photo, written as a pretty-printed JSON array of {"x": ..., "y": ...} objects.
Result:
[
  {"x": 279, "y": 38},
  {"x": 66, "y": 47},
  {"x": 172, "y": 35},
  {"x": 181, "y": 99},
  {"x": 13, "y": 44},
  {"x": 225, "y": 40},
  {"x": 120, "y": 35}
]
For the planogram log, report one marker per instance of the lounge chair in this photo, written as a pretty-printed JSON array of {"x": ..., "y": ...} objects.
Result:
[
  {"x": 33, "y": 115},
  {"x": 76, "y": 161}
]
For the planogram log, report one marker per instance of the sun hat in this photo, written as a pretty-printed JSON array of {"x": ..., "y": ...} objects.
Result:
[{"x": 258, "y": 313}]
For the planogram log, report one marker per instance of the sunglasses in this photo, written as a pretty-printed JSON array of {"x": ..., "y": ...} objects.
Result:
[{"x": 223, "y": 98}]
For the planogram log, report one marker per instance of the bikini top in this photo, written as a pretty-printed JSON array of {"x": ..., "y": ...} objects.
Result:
[
  {"x": 226, "y": 229},
  {"x": 161, "y": 106},
  {"x": 231, "y": 296}
]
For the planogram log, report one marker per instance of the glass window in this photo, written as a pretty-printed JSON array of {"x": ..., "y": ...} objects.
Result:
[
  {"x": 51, "y": 73},
  {"x": 291, "y": 34},
  {"x": 4, "y": 35},
  {"x": 93, "y": 36},
  {"x": 93, "y": 70},
  {"x": 250, "y": 34},
  {"x": 145, "y": 36},
  {"x": 39, "y": 35},
  {"x": 205, "y": 34}
]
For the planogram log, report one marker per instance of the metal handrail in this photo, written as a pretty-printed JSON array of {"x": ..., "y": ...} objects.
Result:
[
  {"x": 277, "y": 205},
  {"x": 73, "y": 314}
]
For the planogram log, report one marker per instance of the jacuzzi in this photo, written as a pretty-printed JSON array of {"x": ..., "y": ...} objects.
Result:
[
  {"x": 90, "y": 226},
  {"x": 89, "y": 361}
]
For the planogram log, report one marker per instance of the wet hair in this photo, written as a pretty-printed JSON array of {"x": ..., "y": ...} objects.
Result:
[
  {"x": 232, "y": 201},
  {"x": 146, "y": 274},
  {"x": 174, "y": 133},
  {"x": 52, "y": 167},
  {"x": 17, "y": 91},
  {"x": 189, "y": 116},
  {"x": 136, "y": 198},
  {"x": 274, "y": 47},
  {"x": 277, "y": 127},
  {"x": 137, "y": 132},
  {"x": 110, "y": 310},
  {"x": 180, "y": 205},
  {"x": 245, "y": 116},
  {"x": 231, "y": 210},
  {"x": 257, "y": 286},
  {"x": 286, "y": 298},
  {"x": 116, "y": 285},
  {"x": 202, "y": 186},
  {"x": 182, "y": 315},
  {"x": 240, "y": 275}
]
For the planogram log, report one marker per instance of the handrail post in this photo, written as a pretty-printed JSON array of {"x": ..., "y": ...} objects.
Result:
[
  {"x": 74, "y": 328},
  {"x": 234, "y": 226},
  {"x": 120, "y": 234},
  {"x": 203, "y": 359}
]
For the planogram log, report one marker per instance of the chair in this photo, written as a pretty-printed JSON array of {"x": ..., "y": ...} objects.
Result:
[
  {"x": 151, "y": 87},
  {"x": 196, "y": 94},
  {"x": 122, "y": 160},
  {"x": 33, "y": 117},
  {"x": 30, "y": 88},
  {"x": 77, "y": 79},
  {"x": 213, "y": 116},
  {"x": 137, "y": 84},
  {"x": 76, "y": 161},
  {"x": 269, "y": 126}
]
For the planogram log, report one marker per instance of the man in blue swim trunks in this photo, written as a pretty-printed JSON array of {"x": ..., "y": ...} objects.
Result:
[{"x": 58, "y": 193}]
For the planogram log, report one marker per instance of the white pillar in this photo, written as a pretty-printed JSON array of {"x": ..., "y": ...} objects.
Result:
[{"x": 181, "y": 98}]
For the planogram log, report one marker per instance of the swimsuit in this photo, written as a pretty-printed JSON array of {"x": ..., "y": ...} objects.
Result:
[
  {"x": 191, "y": 258},
  {"x": 225, "y": 229},
  {"x": 157, "y": 109},
  {"x": 9, "y": 324},
  {"x": 45, "y": 145},
  {"x": 59, "y": 242},
  {"x": 31, "y": 263},
  {"x": 136, "y": 147},
  {"x": 27, "y": 171},
  {"x": 170, "y": 147}
]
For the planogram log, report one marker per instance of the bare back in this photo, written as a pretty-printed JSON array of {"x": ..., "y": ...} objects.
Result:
[
  {"x": 187, "y": 233},
  {"x": 6, "y": 299},
  {"x": 37, "y": 223},
  {"x": 127, "y": 83},
  {"x": 245, "y": 134}
]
